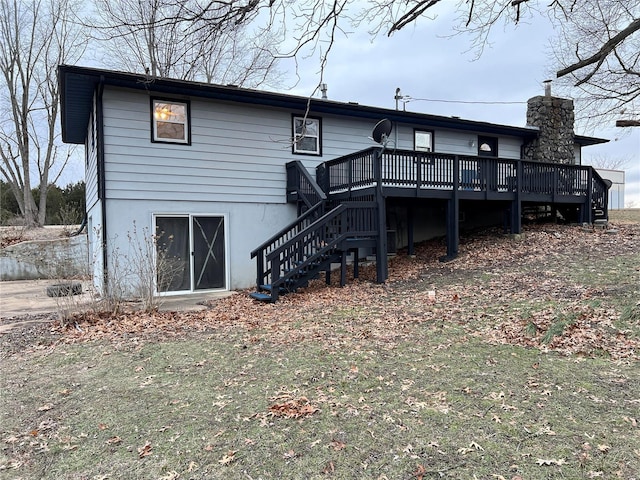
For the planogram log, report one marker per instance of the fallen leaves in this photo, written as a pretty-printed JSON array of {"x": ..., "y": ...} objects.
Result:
[
  {"x": 145, "y": 450},
  {"x": 288, "y": 407},
  {"x": 228, "y": 458},
  {"x": 115, "y": 440},
  {"x": 392, "y": 308},
  {"x": 473, "y": 446},
  {"x": 337, "y": 445},
  {"x": 419, "y": 472}
]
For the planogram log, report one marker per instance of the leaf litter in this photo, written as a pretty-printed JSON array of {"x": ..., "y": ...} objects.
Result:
[
  {"x": 499, "y": 290},
  {"x": 530, "y": 292}
]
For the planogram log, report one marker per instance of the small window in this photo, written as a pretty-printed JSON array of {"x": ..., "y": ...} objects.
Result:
[
  {"x": 423, "y": 140},
  {"x": 307, "y": 138},
  {"x": 487, "y": 146},
  {"x": 170, "y": 121}
]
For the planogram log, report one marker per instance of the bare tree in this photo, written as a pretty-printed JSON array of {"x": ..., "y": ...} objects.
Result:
[
  {"x": 35, "y": 37},
  {"x": 609, "y": 163},
  {"x": 166, "y": 38},
  {"x": 597, "y": 47}
]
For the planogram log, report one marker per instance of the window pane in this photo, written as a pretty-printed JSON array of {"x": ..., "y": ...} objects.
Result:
[
  {"x": 311, "y": 128},
  {"x": 306, "y": 127},
  {"x": 173, "y": 270},
  {"x": 170, "y": 112},
  {"x": 423, "y": 141},
  {"x": 173, "y": 131},
  {"x": 487, "y": 146},
  {"x": 307, "y": 144}
]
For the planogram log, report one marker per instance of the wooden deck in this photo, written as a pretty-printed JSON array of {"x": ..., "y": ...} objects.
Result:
[
  {"x": 345, "y": 208},
  {"x": 402, "y": 173}
]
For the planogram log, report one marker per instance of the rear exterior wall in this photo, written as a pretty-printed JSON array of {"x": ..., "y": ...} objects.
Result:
[{"x": 234, "y": 166}]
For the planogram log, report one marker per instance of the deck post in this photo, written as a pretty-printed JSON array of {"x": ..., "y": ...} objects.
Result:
[
  {"x": 343, "y": 268},
  {"x": 453, "y": 214},
  {"x": 589, "y": 199},
  {"x": 516, "y": 204},
  {"x": 260, "y": 268},
  {"x": 381, "y": 242},
  {"x": 410, "y": 225},
  {"x": 356, "y": 263}
]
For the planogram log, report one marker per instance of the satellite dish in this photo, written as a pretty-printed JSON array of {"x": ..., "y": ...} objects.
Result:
[{"x": 381, "y": 131}]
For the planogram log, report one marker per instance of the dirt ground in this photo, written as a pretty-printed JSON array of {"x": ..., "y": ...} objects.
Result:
[
  {"x": 26, "y": 301},
  {"x": 12, "y": 235}
]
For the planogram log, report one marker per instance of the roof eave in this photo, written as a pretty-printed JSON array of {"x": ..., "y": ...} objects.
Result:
[{"x": 78, "y": 85}]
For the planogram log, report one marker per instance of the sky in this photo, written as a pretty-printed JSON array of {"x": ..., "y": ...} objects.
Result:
[{"x": 428, "y": 64}]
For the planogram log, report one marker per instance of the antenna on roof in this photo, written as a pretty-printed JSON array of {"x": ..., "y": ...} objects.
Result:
[{"x": 381, "y": 132}]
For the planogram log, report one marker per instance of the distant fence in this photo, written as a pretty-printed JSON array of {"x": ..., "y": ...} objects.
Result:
[{"x": 32, "y": 260}]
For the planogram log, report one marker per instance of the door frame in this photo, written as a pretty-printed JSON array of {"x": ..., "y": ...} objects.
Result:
[{"x": 227, "y": 263}]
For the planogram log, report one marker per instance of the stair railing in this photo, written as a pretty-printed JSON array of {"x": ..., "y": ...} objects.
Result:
[
  {"x": 306, "y": 250},
  {"x": 302, "y": 186},
  {"x": 599, "y": 193},
  {"x": 282, "y": 237}
]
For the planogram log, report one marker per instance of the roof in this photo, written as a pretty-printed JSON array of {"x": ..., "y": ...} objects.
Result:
[{"x": 78, "y": 84}]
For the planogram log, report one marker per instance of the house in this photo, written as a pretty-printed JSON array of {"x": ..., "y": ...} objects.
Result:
[
  {"x": 246, "y": 187},
  {"x": 616, "y": 190}
]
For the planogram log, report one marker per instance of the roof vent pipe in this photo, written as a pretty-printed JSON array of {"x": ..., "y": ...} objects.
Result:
[
  {"x": 323, "y": 89},
  {"x": 547, "y": 88}
]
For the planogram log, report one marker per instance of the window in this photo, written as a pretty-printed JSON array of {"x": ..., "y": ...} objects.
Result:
[
  {"x": 423, "y": 140},
  {"x": 307, "y": 138},
  {"x": 487, "y": 146},
  {"x": 170, "y": 121}
]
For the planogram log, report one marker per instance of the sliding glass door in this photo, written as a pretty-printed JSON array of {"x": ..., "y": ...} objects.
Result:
[{"x": 190, "y": 253}]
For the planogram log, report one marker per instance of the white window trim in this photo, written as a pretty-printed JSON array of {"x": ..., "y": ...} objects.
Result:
[
  {"x": 318, "y": 137},
  {"x": 415, "y": 143}
]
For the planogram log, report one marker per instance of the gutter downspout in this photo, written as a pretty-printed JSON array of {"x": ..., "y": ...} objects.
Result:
[{"x": 102, "y": 184}]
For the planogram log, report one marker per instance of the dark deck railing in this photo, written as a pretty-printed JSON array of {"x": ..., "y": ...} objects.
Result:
[
  {"x": 301, "y": 185},
  {"x": 304, "y": 250},
  {"x": 423, "y": 171},
  {"x": 282, "y": 237}
]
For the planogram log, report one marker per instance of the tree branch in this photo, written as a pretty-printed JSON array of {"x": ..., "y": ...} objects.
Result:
[{"x": 599, "y": 57}]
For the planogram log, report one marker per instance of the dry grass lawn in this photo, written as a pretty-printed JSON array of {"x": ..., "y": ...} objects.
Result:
[{"x": 519, "y": 360}]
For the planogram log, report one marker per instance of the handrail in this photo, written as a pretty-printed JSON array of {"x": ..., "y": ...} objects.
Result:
[
  {"x": 322, "y": 221},
  {"x": 300, "y": 181},
  {"x": 300, "y": 253},
  {"x": 599, "y": 190},
  {"x": 296, "y": 224},
  {"x": 432, "y": 170}
]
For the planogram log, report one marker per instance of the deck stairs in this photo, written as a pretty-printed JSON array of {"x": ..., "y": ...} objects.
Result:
[
  {"x": 310, "y": 246},
  {"x": 322, "y": 235}
]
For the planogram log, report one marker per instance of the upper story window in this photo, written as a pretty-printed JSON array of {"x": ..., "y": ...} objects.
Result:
[
  {"x": 307, "y": 135},
  {"x": 170, "y": 121},
  {"x": 423, "y": 140},
  {"x": 487, "y": 146}
]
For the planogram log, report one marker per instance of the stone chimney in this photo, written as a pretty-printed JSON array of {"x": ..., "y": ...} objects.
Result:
[{"x": 554, "y": 117}]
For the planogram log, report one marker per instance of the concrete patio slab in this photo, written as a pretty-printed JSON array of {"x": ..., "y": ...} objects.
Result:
[{"x": 29, "y": 297}]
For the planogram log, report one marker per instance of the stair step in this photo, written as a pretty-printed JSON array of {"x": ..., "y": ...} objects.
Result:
[
  {"x": 269, "y": 288},
  {"x": 261, "y": 297}
]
